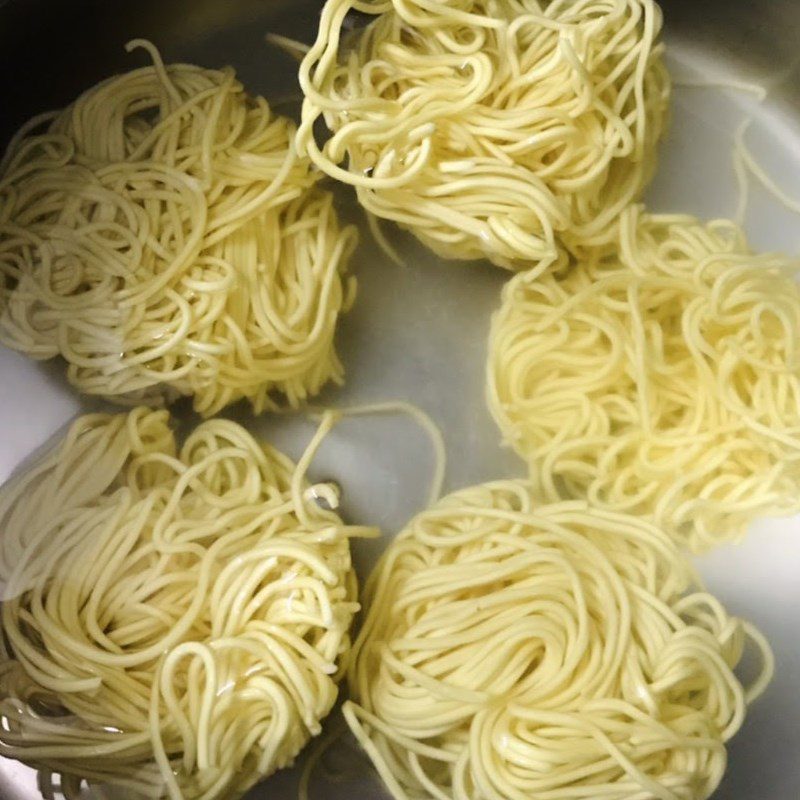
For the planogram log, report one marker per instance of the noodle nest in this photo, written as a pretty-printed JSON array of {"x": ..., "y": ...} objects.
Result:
[
  {"x": 515, "y": 650},
  {"x": 163, "y": 237},
  {"x": 173, "y": 619},
  {"x": 500, "y": 129},
  {"x": 662, "y": 381}
]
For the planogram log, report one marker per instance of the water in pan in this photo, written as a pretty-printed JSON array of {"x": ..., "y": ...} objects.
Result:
[{"x": 418, "y": 333}]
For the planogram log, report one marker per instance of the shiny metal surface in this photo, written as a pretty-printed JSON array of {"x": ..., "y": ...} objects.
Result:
[{"x": 419, "y": 333}]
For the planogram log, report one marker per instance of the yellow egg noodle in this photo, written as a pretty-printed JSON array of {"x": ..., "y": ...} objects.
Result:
[
  {"x": 163, "y": 237},
  {"x": 663, "y": 381},
  {"x": 516, "y": 650},
  {"x": 744, "y": 162},
  {"x": 174, "y": 619},
  {"x": 490, "y": 128},
  {"x": 739, "y": 152},
  {"x": 425, "y": 422},
  {"x": 745, "y": 165}
]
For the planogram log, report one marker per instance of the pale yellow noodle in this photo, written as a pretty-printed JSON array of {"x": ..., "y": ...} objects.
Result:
[
  {"x": 662, "y": 381},
  {"x": 289, "y": 46},
  {"x": 745, "y": 164},
  {"x": 514, "y": 650},
  {"x": 747, "y": 87},
  {"x": 505, "y": 129},
  {"x": 418, "y": 415},
  {"x": 162, "y": 236},
  {"x": 374, "y": 225},
  {"x": 174, "y": 619}
]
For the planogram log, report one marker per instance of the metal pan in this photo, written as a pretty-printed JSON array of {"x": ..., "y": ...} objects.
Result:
[{"x": 419, "y": 333}]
